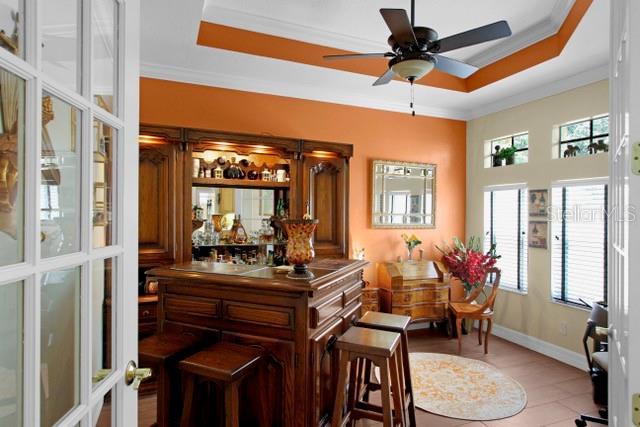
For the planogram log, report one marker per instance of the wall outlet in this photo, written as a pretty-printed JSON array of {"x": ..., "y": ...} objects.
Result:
[{"x": 563, "y": 328}]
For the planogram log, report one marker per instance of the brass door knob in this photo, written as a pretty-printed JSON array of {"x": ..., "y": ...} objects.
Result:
[{"x": 134, "y": 376}]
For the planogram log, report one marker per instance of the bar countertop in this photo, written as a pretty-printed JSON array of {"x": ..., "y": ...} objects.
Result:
[{"x": 326, "y": 271}]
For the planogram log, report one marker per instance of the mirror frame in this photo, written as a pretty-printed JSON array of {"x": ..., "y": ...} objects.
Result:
[{"x": 373, "y": 194}]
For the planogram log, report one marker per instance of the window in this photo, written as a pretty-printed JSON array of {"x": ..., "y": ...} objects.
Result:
[
  {"x": 579, "y": 243},
  {"x": 584, "y": 137},
  {"x": 505, "y": 225},
  {"x": 518, "y": 141}
]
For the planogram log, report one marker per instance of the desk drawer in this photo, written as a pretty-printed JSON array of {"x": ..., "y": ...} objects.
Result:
[
  {"x": 420, "y": 295},
  {"x": 422, "y": 311}
]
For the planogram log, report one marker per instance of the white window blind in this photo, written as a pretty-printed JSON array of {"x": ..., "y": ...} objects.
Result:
[
  {"x": 505, "y": 224},
  {"x": 579, "y": 243}
]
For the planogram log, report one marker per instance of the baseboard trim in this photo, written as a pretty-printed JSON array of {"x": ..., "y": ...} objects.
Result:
[{"x": 553, "y": 351}]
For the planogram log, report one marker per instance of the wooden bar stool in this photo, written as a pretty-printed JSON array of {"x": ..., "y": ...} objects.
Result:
[
  {"x": 224, "y": 364},
  {"x": 356, "y": 346},
  {"x": 391, "y": 323},
  {"x": 162, "y": 352}
]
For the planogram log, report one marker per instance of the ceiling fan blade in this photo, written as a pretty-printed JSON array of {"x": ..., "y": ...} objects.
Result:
[
  {"x": 359, "y": 55},
  {"x": 494, "y": 31},
  {"x": 400, "y": 26},
  {"x": 385, "y": 78},
  {"x": 452, "y": 66}
]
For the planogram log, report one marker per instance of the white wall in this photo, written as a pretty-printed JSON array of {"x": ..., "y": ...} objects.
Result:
[{"x": 534, "y": 314}]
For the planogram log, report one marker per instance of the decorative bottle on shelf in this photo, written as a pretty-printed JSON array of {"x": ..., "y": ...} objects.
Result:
[{"x": 238, "y": 233}]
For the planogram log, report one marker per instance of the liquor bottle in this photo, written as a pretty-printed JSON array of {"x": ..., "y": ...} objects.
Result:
[{"x": 238, "y": 233}]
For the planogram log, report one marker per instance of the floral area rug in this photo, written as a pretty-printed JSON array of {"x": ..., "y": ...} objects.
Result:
[{"x": 468, "y": 389}]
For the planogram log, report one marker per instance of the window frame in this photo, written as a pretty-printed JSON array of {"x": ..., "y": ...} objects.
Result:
[
  {"x": 521, "y": 288},
  {"x": 512, "y": 139},
  {"x": 563, "y": 185},
  {"x": 590, "y": 138}
]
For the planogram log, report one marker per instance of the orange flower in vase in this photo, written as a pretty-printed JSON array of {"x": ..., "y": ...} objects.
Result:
[{"x": 299, "y": 246}]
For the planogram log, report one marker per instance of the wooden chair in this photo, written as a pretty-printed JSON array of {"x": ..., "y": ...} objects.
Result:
[{"x": 469, "y": 309}]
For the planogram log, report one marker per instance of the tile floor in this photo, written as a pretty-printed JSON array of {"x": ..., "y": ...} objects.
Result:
[{"x": 556, "y": 392}]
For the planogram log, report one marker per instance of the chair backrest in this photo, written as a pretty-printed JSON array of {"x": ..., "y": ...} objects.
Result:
[{"x": 491, "y": 299}]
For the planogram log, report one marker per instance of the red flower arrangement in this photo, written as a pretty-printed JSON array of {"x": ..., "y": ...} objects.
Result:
[{"x": 468, "y": 263}]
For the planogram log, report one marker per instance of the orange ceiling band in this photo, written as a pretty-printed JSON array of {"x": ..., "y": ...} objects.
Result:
[{"x": 261, "y": 44}]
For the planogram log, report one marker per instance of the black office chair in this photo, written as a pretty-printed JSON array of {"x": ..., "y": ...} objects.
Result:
[{"x": 598, "y": 360}]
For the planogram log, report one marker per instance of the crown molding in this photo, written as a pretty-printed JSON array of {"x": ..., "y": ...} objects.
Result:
[
  {"x": 600, "y": 72},
  {"x": 213, "y": 79},
  {"x": 305, "y": 33},
  {"x": 289, "y": 89},
  {"x": 289, "y": 30},
  {"x": 533, "y": 34}
]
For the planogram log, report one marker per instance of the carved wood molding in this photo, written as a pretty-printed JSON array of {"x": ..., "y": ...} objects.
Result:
[
  {"x": 156, "y": 157},
  {"x": 324, "y": 167}
]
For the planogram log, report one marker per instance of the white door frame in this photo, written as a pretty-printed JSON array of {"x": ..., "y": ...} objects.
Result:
[
  {"x": 125, "y": 214},
  {"x": 624, "y": 197}
]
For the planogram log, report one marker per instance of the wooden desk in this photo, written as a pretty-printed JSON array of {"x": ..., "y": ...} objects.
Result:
[
  {"x": 296, "y": 321},
  {"x": 413, "y": 289}
]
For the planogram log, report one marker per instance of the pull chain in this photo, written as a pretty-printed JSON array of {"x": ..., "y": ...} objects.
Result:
[{"x": 413, "y": 111}]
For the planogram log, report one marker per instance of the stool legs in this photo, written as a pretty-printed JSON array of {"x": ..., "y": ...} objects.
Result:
[
  {"x": 385, "y": 394},
  {"x": 407, "y": 378},
  {"x": 397, "y": 391},
  {"x": 392, "y": 392},
  {"x": 231, "y": 405},
  {"x": 187, "y": 408}
]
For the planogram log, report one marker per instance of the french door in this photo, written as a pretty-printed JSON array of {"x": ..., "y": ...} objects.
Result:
[
  {"x": 68, "y": 211},
  {"x": 624, "y": 202}
]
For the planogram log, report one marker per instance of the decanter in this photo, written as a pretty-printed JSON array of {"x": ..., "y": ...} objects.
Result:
[{"x": 238, "y": 233}]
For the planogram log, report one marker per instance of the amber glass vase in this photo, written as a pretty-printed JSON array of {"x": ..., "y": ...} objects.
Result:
[{"x": 300, "y": 246}]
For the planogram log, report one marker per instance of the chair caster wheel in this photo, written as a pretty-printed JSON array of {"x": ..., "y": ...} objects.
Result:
[{"x": 581, "y": 423}]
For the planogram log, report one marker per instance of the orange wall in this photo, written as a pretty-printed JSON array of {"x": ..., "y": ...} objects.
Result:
[{"x": 374, "y": 134}]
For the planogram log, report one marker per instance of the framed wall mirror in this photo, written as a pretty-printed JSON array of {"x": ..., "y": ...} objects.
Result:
[{"x": 403, "y": 195}]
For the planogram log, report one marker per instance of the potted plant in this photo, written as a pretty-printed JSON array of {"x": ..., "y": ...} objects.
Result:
[
  {"x": 411, "y": 242},
  {"x": 507, "y": 153}
]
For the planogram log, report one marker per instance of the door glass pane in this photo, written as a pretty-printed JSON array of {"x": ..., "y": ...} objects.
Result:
[
  {"x": 11, "y": 354},
  {"x": 59, "y": 344},
  {"x": 11, "y": 168},
  {"x": 103, "y": 174},
  {"x": 60, "y": 178},
  {"x": 102, "y": 323},
  {"x": 105, "y": 50},
  {"x": 103, "y": 411},
  {"x": 11, "y": 26},
  {"x": 60, "y": 41}
]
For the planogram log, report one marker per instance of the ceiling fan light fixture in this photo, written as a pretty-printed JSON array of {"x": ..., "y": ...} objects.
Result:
[{"x": 413, "y": 69}]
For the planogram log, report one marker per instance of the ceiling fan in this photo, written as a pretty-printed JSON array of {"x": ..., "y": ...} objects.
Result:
[{"x": 415, "y": 51}]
